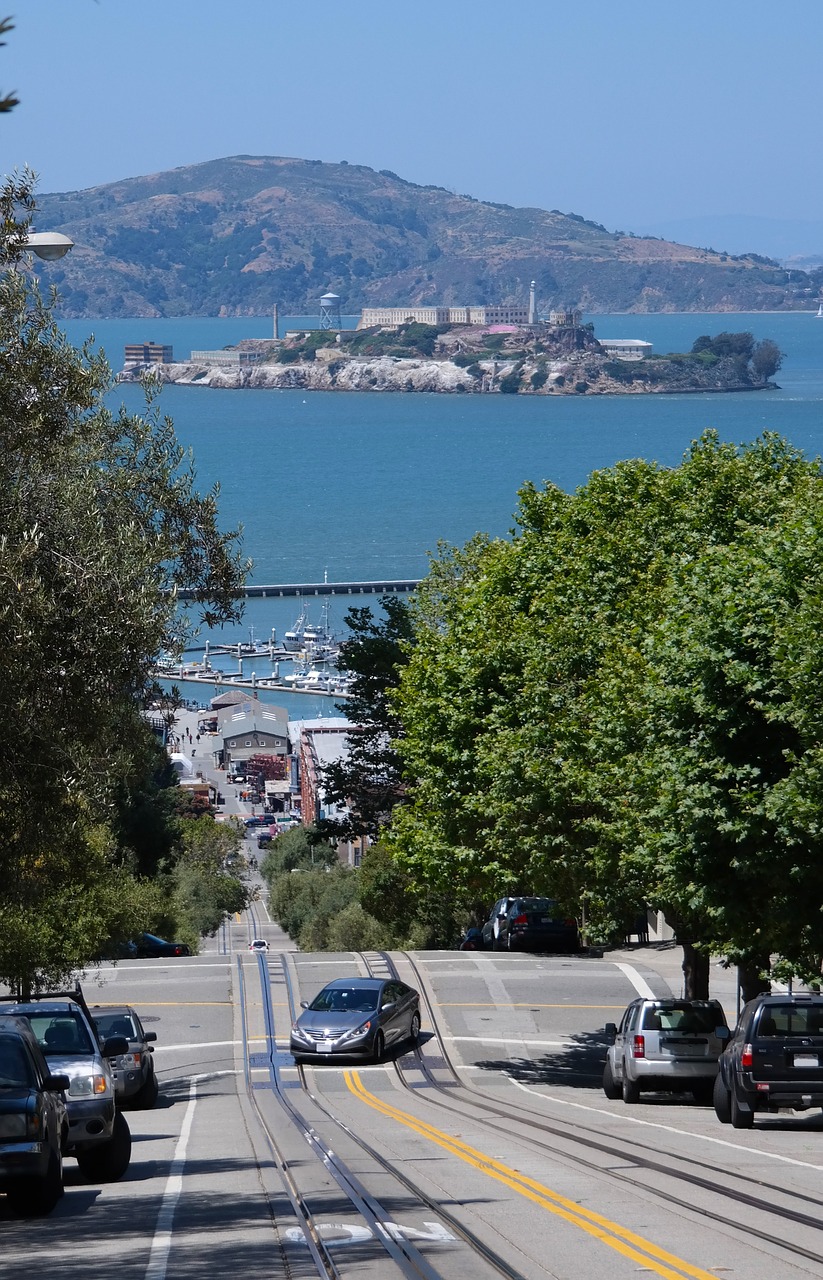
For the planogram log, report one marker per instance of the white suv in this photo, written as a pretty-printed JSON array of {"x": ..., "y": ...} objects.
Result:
[{"x": 665, "y": 1044}]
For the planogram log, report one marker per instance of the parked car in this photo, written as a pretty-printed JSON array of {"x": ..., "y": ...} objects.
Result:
[
  {"x": 98, "y": 1135},
  {"x": 666, "y": 1044},
  {"x": 774, "y": 1059},
  {"x": 33, "y": 1122},
  {"x": 135, "y": 1081},
  {"x": 264, "y": 839},
  {"x": 530, "y": 924},
  {"x": 356, "y": 1017},
  {"x": 258, "y": 944},
  {"x": 150, "y": 947}
]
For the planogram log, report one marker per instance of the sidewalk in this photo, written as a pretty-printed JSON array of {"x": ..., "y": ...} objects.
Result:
[{"x": 664, "y": 961}]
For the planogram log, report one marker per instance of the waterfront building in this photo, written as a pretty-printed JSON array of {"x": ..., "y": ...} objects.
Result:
[
  {"x": 565, "y": 319},
  {"x": 626, "y": 348},
  {"x": 392, "y": 317},
  {"x": 229, "y": 356},
  {"x": 148, "y": 353}
]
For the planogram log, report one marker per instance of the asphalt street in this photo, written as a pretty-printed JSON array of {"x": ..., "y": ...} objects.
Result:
[{"x": 506, "y": 1145}]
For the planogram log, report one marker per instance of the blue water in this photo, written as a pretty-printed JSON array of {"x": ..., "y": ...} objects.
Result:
[{"x": 366, "y": 485}]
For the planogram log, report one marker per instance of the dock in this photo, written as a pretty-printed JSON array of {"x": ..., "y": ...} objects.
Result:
[{"x": 381, "y": 587}]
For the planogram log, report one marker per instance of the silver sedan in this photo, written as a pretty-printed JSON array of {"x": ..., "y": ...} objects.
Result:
[{"x": 356, "y": 1017}]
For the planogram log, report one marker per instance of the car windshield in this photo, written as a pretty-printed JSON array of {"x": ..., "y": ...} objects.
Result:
[
  {"x": 346, "y": 1000},
  {"x": 683, "y": 1017},
  {"x": 115, "y": 1024},
  {"x": 60, "y": 1033},
  {"x": 542, "y": 906},
  {"x": 15, "y": 1068},
  {"x": 791, "y": 1020}
]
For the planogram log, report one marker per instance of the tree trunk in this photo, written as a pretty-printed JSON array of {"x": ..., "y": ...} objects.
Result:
[
  {"x": 695, "y": 973},
  {"x": 748, "y": 976}
]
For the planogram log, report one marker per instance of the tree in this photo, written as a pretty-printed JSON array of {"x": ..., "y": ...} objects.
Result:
[
  {"x": 8, "y": 102},
  {"x": 620, "y": 705},
  {"x": 101, "y": 524},
  {"x": 368, "y": 781},
  {"x": 766, "y": 359},
  {"x": 205, "y": 890}
]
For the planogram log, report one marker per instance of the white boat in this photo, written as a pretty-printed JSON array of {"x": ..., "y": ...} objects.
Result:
[
  {"x": 293, "y": 639},
  {"x": 820, "y": 312}
]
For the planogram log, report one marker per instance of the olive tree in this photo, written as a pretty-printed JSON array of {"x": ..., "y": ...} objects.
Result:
[{"x": 100, "y": 525}]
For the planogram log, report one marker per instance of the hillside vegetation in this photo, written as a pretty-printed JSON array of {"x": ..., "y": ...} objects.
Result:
[{"x": 234, "y": 236}]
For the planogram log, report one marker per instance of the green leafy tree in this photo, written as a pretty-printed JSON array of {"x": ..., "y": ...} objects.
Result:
[
  {"x": 101, "y": 523},
  {"x": 368, "y": 780},
  {"x": 610, "y": 708},
  {"x": 767, "y": 358}
]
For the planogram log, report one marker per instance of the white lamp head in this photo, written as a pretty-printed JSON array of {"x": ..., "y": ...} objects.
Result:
[{"x": 48, "y": 244}]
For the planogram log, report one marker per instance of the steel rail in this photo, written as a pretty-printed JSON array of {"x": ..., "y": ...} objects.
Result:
[
  {"x": 323, "y": 1261},
  {"x": 406, "y": 1257},
  {"x": 619, "y": 1152},
  {"x": 463, "y": 1232}
]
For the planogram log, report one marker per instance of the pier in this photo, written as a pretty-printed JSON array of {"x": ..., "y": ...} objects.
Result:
[{"x": 383, "y": 587}]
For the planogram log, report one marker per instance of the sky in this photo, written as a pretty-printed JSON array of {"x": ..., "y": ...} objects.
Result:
[{"x": 642, "y": 117}]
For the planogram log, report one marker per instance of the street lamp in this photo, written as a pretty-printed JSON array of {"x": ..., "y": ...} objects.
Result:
[{"x": 49, "y": 245}]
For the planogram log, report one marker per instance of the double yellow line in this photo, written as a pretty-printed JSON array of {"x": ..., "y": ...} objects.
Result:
[{"x": 594, "y": 1224}]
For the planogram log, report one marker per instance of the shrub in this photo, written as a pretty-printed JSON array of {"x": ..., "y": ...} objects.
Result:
[
  {"x": 539, "y": 378},
  {"x": 581, "y": 387}
]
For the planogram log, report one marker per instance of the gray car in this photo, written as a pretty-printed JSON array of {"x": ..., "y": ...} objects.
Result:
[
  {"x": 135, "y": 1082},
  {"x": 665, "y": 1044},
  {"x": 356, "y": 1017}
]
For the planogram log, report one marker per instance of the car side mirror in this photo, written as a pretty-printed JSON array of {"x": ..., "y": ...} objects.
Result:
[
  {"x": 114, "y": 1046},
  {"x": 304, "y": 1004},
  {"x": 610, "y": 1032},
  {"x": 57, "y": 1084},
  {"x": 388, "y": 1005},
  {"x": 723, "y": 1033},
  {"x": 149, "y": 1036}
]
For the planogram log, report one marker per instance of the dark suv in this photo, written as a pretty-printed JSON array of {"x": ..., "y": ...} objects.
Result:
[
  {"x": 33, "y": 1123},
  {"x": 774, "y": 1059},
  {"x": 530, "y": 924}
]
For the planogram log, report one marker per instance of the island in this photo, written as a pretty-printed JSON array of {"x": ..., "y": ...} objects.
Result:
[{"x": 560, "y": 358}]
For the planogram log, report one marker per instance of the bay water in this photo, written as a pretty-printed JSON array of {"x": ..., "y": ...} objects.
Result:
[{"x": 365, "y": 485}]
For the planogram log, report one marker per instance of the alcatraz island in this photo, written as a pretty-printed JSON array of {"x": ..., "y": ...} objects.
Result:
[{"x": 501, "y": 349}]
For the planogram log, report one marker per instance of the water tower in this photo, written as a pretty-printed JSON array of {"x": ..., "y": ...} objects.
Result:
[{"x": 330, "y": 312}]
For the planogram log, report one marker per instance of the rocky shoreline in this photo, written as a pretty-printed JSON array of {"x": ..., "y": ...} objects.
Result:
[{"x": 592, "y": 375}]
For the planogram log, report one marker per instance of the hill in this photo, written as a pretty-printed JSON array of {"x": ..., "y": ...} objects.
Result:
[{"x": 234, "y": 236}]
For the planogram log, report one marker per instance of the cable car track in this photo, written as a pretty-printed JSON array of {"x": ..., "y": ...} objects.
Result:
[{"x": 447, "y": 1099}]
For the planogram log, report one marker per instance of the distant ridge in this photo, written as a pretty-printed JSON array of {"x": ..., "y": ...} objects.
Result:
[{"x": 234, "y": 236}]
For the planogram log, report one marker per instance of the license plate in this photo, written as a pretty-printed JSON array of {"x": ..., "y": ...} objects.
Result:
[
  {"x": 325, "y": 1046},
  {"x": 806, "y": 1060},
  {"x": 545, "y": 920}
]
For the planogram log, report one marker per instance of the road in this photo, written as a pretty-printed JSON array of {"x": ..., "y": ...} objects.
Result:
[{"x": 492, "y": 1152}]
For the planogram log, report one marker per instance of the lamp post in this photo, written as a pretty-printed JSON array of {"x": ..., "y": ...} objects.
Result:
[{"x": 49, "y": 245}]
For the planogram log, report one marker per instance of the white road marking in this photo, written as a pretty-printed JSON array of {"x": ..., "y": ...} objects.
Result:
[
  {"x": 640, "y": 985},
  {"x": 666, "y": 1128},
  {"x": 541, "y": 1044},
  {"x": 161, "y": 1243}
]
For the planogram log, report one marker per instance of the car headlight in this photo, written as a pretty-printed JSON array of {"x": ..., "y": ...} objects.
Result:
[
  {"x": 16, "y": 1126},
  {"x": 298, "y": 1032},
  {"x": 128, "y": 1060},
  {"x": 87, "y": 1086},
  {"x": 357, "y": 1031}
]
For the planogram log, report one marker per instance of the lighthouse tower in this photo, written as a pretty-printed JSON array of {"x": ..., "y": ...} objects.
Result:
[{"x": 533, "y": 303}]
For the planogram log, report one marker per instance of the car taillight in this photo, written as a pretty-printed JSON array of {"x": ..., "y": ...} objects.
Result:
[
  {"x": 746, "y": 1057},
  {"x": 570, "y": 924},
  {"x": 520, "y": 920},
  {"x": 178, "y": 951},
  {"x": 639, "y": 1047}
]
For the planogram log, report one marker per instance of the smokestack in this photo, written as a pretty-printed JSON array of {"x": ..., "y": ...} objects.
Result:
[
  {"x": 533, "y": 303},
  {"x": 275, "y": 320}
]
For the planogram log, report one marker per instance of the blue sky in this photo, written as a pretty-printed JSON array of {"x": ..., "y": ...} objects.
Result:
[{"x": 638, "y": 116}]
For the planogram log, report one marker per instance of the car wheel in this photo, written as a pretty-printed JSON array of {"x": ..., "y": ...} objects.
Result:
[
  {"x": 414, "y": 1029},
  {"x": 35, "y": 1197},
  {"x": 146, "y": 1095},
  {"x": 379, "y": 1046},
  {"x": 630, "y": 1090},
  {"x": 721, "y": 1099},
  {"x": 740, "y": 1119},
  {"x": 611, "y": 1088},
  {"x": 110, "y": 1160},
  {"x": 497, "y": 945}
]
